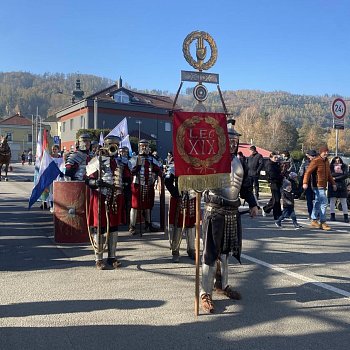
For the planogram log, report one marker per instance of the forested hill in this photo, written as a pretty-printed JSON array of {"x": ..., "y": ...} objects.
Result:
[{"x": 23, "y": 92}]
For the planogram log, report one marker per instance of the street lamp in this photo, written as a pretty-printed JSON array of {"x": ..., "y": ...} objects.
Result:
[{"x": 139, "y": 122}]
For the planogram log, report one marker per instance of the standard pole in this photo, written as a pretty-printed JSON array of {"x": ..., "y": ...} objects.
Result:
[
  {"x": 32, "y": 134},
  {"x": 198, "y": 219},
  {"x": 336, "y": 142}
]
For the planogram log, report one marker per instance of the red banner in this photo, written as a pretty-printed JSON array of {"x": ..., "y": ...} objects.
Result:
[{"x": 201, "y": 149}]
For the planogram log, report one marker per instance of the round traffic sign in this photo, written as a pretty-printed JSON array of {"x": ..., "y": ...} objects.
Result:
[{"x": 339, "y": 108}]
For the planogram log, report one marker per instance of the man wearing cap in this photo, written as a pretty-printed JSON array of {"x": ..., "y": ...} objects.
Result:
[
  {"x": 105, "y": 182},
  {"x": 309, "y": 194},
  {"x": 145, "y": 171},
  {"x": 320, "y": 174},
  {"x": 221, "y": 229},
  {"x": 255, "y": 164}
]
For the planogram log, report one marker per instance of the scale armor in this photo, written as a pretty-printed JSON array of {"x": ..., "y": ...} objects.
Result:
[
  {"x": 141, "y": 175},
  {"x": 79, "y": 158}
]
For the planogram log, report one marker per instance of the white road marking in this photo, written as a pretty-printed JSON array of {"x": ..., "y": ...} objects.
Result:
[{"x": 297, "y": 276}]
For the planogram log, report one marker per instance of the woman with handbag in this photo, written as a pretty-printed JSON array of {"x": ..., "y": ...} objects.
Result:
[{"x": 340, "y": 173}]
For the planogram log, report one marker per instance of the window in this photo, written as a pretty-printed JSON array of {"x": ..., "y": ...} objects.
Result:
[
  {"x": 30, "y": 137},
  {"x": 71, "y": 124},
  {"x": 167, "y": 126},
  {"x": 64, "y": 127},
  {"x": 121, "y": 97},
  {"x": 82, "y": 122},
  {"x": 9, "y": 136}
]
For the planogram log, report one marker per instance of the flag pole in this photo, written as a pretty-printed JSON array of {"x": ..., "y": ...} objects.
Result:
[{"x": 198, "y": 218}]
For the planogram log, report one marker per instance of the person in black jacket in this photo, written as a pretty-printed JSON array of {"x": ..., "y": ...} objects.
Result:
[
  {"x": 288, "y": 205},
  {"x": 309, "y": 193},
  {"x": 255, "y": 164},
  {"x": 340, "y": 173},
  {"x": 275, "y": 179}
]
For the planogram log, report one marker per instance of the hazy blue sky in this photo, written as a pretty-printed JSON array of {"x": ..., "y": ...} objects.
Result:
[{"x": 299, "y": 46}]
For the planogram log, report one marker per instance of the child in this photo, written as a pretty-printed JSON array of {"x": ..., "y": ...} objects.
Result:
[{"x": 288, "y": 205}]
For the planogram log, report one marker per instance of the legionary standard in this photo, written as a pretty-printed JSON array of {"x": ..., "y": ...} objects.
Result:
[{"x": 201, "y": 145}]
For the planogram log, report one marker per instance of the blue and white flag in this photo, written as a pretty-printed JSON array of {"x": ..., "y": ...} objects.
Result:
[
  {"x": 38, "y": 153},
  {"x": 48, "y": 172},
  {"x": 125, "y": 142},
  {"x": 101, "y": 142},
  {"x": 121, "y": 130}
]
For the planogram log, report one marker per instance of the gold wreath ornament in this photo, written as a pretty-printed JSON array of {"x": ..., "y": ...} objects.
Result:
[{"x": 200, "y": 50}]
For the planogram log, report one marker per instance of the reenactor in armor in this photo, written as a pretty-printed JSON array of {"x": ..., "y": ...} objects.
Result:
[
  {"x": 94, "y": 147},
  {"x": 127, "y": 178},
  {"x": 222, "y": 231},
  {"x": 182, "y": 215},
  {"x": 107, "y": 183},
  {"x": 76, "y": 161},
  {"x": 145, "y": 170}
]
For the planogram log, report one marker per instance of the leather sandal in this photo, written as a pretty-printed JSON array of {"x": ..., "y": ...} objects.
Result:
[
  {"x": 207, "y": 303},
  {"x": 114, "y": 263},
  {"x": 231, "y": 293}
]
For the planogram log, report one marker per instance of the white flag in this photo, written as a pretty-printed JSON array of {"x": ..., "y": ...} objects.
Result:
[
  {"x": 121, "y": 130},
  {"x": 125, "y": 142},
  {"x": 101, "y": 141}
]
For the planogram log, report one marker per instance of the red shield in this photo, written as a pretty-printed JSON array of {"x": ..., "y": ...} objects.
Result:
[{"x": 70, "y": 212}]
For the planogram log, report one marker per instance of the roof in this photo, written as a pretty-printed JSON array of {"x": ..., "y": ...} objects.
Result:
[
  {"x": 51, "y": 119},
  {"x": 244, "y": 148},
  {"x": 136, "y": 98},
  {"x": 16, "y": 119}
]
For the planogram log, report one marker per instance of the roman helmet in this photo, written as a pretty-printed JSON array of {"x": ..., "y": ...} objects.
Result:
[
  {"x": 84, "y": 142},
  {"x": 233, "y": 136},
  {"x": 144, "y": 148}
]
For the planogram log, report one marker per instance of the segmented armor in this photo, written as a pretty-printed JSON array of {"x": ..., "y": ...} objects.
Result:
[{"x": 76, "y": 165}]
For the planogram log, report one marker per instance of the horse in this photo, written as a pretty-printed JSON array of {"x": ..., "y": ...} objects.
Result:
[{"x": 5, "y": 156}]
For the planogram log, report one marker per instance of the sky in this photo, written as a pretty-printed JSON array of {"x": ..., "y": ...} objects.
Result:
[{"x": 297, "y": 46}]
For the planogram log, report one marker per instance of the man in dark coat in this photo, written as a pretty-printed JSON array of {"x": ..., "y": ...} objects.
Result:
[
  {"x": 255, "y": 164},
  {"x": 275, "y": 179}
]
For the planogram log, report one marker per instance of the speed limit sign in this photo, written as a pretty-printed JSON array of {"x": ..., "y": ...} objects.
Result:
[{"x": 339, "y": 108}]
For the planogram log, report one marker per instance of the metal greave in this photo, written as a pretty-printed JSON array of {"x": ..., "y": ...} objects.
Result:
[
  {"x": 224, "y": 270},
  {"x": 148, "y": 215},
  {"x": 190, "y": 238},
  {"x": 208, "y": 275},
  {"x": 99, "y": 239},
  {"x": 175, "y": 238},
  {"x": 133, "y": 216},
  {"x": 112, "y": 244}
]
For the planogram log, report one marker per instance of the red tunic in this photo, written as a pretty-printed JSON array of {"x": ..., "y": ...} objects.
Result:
[
  {"x": 190, "y": 205},
  {"x": 142, "y": 197},
  {"x": 115, "y": 218}
]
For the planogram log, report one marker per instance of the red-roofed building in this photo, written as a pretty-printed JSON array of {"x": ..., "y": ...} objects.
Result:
[
  {"x": 18, "y": 130},
  {"x": 244, "y": 148},
  {"x": 147, "y": 115}
]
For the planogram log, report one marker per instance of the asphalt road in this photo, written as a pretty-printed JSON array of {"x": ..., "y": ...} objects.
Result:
[{"x": 295, "y": 287}]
